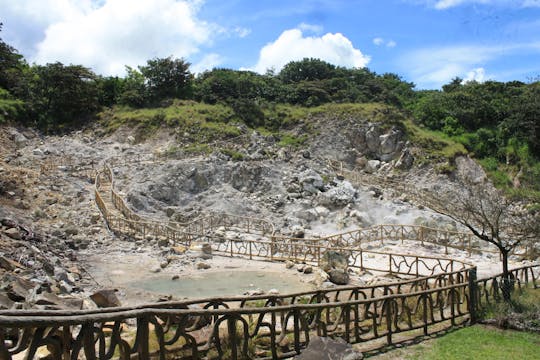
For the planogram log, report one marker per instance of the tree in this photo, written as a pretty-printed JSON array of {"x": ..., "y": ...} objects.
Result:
[
  {"x": 489, "y": 215},
  {"x": 167, "y": 78},
  {"x": 12, "y": 65},
  {"x": 62, "y": 95},
  {"x": 308, "y": 69}
]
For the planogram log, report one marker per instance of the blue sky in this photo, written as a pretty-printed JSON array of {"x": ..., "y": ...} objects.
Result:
[{"x": 428, "y": 42}]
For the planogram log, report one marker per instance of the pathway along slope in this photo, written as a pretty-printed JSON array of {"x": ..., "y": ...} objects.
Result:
[{"x": 442, "y": 292}]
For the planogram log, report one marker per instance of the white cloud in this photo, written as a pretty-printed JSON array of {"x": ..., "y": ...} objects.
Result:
[
  {"x": 241, "y": 31},
  {"x": 388, "y": 43},
  {"x": 315, "y": 29},
  {"x": 447, "y": 4},
  {"x": 208, "y": 62},
  {"x": 110, "y": 34},
  {"x": 433, "y": 67},
  {"x": 378, "y": 41},
  {"x": 293, "y": 46},
  {"x": 478, "y": 75}
]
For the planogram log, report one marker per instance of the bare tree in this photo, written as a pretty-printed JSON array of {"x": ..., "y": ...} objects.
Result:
[{"x": 489, "y": 215}]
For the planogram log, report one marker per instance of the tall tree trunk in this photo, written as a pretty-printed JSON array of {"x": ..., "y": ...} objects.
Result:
[{"x": 507, "y": 285}]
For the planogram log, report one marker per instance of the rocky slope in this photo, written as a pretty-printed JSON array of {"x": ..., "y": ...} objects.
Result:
[{"x": 50, "y": 222}]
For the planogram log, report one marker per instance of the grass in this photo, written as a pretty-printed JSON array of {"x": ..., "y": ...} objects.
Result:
[
  {"x": 435, "y": 143},
  {"x": 475, "y": 343}
]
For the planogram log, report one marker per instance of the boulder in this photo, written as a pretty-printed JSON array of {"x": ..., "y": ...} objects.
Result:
[
  {"x": 338, "y": 276},
  {"x": 340, "y": 195},
  {"x": 336, "y": 264},
  {"x": 325, "y": 348},
  {"x": 311, "y": 181},
  {"x": 334, "y": 260},
  {"x": 105, "y": 298}
]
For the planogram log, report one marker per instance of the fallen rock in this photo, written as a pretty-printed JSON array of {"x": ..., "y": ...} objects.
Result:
[
  {"x": 338, "y": 277},
  {"x": 325, "y": 348},
  {"x": 105, "y": 298}
]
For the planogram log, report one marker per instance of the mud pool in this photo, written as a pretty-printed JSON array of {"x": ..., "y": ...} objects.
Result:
[{"x": 225, "y": 283}]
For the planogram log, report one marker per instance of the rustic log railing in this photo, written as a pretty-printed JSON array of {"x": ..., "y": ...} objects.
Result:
[{"x": 433, "y": 293}]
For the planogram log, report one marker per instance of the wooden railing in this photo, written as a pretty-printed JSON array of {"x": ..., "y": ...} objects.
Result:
[{"x": 434, "y": 293}]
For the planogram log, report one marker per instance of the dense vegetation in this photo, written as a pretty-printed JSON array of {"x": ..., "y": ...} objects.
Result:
[{"x": 498, "y": 123}]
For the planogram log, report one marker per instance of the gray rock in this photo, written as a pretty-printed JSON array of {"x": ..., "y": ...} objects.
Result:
[
  {"x": 325, "y": 348},
  {"x": 297, "y": 231},
  {"x": 37, "y": 152},
  {"x": 308, "y": 269},
  {"x": 13, "y": 233},
  {"x": 289, "y": 264},
  {"x": 338, "y": 276},
  {"x": 372, "y": 166},
  {"x": 340, "y": 195},
  {"x": 311, "y": 181},
  {"x": 405, "y": 161},
  {"x": 334, "y": 260}
]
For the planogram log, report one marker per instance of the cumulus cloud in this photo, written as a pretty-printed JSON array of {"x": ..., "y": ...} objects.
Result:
[
  {"x": 292, "y": 45},
  {"x": 125, "y": 32},
  {"x": 478, "y": 75}
]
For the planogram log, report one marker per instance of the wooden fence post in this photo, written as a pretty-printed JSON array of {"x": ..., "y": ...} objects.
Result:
[{"x": 473, "y": 295}]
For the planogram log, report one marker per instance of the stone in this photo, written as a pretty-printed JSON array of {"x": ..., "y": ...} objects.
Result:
[
  {"x": 340, "y": 195},
  {"x": 297, "y": 232},
  {"x": 130, "y": 139},
  {"x": 180, "y": 249},
  {"x": 105, "y": 298},
  {"x": 175, "y": 277},
  {"x": 254, "y": 292},
  {"x": 13, "y": 233},
  {"x": 203, "y": 266},
  {"x": 8, "y": 264},
  {"x": 334, "y": 260},
  {"x": 71, "y": 230},
  {"x": 361, "y": 162},
  {"x": 164, "y": 264},
  {"x": 163, "y": 242},
  {"x": 5, "y": 302},
  {"x": 37, "y": 152},
  {"x": 338, "y": 276},
  {"x": 405, "y": 161},
  {"x": 308, "y": 270},
  {"x": 311, "y": 181},
  {"x": 372, "y": 166},
  {"x": 325, "y": 348},
  {"x": 289, "y": 264},
  {"x": 273, "y": 292}
]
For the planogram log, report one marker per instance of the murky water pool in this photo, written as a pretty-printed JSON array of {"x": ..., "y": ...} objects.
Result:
[{"x": 224, "y": 283}]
